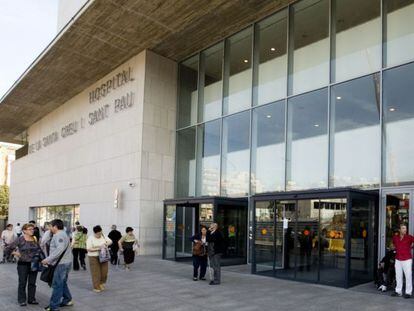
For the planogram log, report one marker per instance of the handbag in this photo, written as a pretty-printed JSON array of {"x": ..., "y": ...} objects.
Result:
[
  {"x": 49, "y": 271},
  {"x": 104, "y": 255}
]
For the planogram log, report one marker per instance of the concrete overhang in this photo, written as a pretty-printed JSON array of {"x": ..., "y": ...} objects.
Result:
[{"x": 106, "y": 33}]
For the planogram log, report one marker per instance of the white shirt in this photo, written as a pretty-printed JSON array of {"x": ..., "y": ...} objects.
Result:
[
  {"x": 93, "y": 242},
  {"x": 18, "y": 230},
  {"x": 7, "y": 236}
]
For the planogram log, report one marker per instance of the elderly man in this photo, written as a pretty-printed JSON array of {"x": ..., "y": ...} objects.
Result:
[{"x": 215, "y": 250}]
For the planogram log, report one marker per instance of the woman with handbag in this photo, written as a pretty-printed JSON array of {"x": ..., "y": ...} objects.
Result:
[
  {"x": 128, "y": 245},
  {"x": 26, "y": 248},
  {"x": 200, "y": 253},
  {"x": 98, "y": 254}
]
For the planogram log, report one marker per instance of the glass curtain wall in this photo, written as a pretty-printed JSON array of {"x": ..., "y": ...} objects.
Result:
[
  {"x": 323, "y": 59},
  {"x": 271, "y": 69},
  {"x": 208, "y": 162},
  {"x": 235, "y": 155},
  {"x": 398, "y": 120},
  {"x": 309, "y": 44},
  {"x": 186, "y": 162},
  {"x": 211, "y": 83},
  {"x": 355, "y": 57},
  {"x": 355, "y": 133},
  {"x": 238, "y": 72},
  {"x": 268, "y": 146},
  {"x": 399, "y": 32},
  {"x": 307, "y": 141},
  {"x": 188, "y": 95}
]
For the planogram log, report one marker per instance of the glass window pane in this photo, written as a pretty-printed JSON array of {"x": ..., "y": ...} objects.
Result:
[
  {"x": 188, "y": 97},
  {"x": 310, "y": 44},
  {"x": 272, "y": 69},
  {"x": 268, "y": 148},
  {"x": 208, "y": 154},
  {"x": 307, "y": 156},
  {"x": 363, "y": 241},
  {"x": 400, "y": 31},
  {"x": 398, "y": 119},
  {"x": 212, "y": 83},
  {"x": 355, "y": 132},
  {"x": 307, "y": 240},
  {"x": 239, "y": 71},
  {"x": 186, "y": 163},
  {"x": 169, "y": 246},
  {"x": 235, "y": 155},
  {"x": 332, "y": 241},
  {"x": 264, "y": 236},
  {"x": 352, "y": 57}
]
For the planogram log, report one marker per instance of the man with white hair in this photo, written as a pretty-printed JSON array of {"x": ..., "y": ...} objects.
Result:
[{"x": 215, "y": 250}]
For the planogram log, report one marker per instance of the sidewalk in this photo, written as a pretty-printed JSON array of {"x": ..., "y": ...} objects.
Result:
[{"x": 155, "y": 284}]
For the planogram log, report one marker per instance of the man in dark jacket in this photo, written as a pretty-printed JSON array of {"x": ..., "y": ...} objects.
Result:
[
  {"x": 215, "y": 250},
  {"x": 115, "y": 236}
]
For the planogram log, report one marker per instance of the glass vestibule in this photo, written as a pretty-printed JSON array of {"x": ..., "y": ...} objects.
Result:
[
  {"x": 321, "y": 237},
  {"x": 184, "y": 218},
  {"x": 396, "y": 209}
]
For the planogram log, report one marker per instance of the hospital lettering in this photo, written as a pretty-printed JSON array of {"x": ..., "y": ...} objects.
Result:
[
  {"x": 98, "y": 115},
  {"x": 115, "y": 82}
]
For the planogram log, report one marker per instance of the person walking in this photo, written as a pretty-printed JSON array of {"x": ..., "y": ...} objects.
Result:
[
  {"x": 18, "y": 230},
  {"x": 403, "y": 244},
  {"x": 128, "y": 244},
  {"x": 199, "y": 254},
  {"x": 60, "y": 255},
  {"x": 215, "y": 250},
  {"x": 36, "y": 231},
  {"x": 7, "y": 237},
  {"x": 99, "y": 270},
  {"x": 46, "y": 238},
  {"x": 27, "y": 250},
  {"x": 115, "y": 236},
  {"x": 78, "y": 247}
]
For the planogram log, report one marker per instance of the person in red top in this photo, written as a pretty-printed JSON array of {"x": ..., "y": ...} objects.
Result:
[{"x": 403, "y": 243}]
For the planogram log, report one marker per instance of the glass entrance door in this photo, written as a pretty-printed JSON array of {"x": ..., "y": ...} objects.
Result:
[
  {"x": 185, "y": 228},
  {"x": 396, "y": 208},
  {"x": 285, "y": 219},
  {"x": 232, "y": 220}
]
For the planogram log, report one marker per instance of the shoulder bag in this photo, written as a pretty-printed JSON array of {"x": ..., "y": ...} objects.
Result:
[{"x": 49, "y": 271}]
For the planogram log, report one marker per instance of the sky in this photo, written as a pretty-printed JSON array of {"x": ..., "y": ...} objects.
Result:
[{"x": 26, "y": 28}]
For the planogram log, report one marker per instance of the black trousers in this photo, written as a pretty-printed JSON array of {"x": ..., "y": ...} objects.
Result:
[
  {"x": 113, "y": 251},
  {"x": 78, "y": 255},
  {"x": 200, "y": 262},
  {"x": 26, "y": 278}
]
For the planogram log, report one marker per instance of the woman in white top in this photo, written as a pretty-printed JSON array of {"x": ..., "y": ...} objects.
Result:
[{"x": 99, "y": 270}]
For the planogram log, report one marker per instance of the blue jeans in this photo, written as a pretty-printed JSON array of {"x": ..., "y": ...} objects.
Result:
[{"x": 60, "y": 293}]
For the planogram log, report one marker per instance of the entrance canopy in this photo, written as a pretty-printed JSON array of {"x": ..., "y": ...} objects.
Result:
[
  {"x": 327, "y": 236},
  {"x": 184, "y": 217},
  {"x": 105, "y": 34}
]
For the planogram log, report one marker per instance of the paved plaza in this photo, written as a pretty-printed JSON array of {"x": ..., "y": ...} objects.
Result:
[{"x": 155, "y": 284}]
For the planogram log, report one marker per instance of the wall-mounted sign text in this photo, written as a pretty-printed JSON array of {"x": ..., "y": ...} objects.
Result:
[
  {"x": 120, "y": 104},
  {"x": 115, "y": 82}
]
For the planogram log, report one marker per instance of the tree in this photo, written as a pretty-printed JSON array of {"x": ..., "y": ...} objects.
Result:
[{"x": 4, "y": 201}]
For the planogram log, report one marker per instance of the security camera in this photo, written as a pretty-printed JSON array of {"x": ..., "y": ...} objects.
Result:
[{"x": 131, "y": 184}]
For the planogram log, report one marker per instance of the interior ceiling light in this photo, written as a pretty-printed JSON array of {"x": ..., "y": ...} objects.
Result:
[
  {"x": 392, "y": 109},
  {"x": 316, "y": 125},
  {"x": 246, "y": 60},
  {"x": 268, "y": 116},
  {"x": 338, "y": 97},
  {"x": 273, "y": 49}
]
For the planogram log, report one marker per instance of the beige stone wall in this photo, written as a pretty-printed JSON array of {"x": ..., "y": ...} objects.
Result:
[{"x": 134, "y": 146}]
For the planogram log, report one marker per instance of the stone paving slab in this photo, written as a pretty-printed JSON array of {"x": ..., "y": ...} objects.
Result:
[{"x": 155, "y": 284}]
